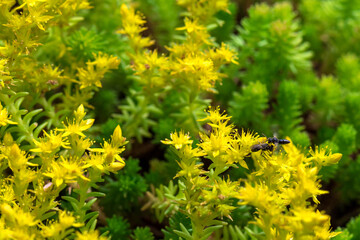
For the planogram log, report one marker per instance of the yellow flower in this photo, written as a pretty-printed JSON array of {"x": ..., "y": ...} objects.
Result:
[
  {"x": 96, "y": 70},
  {"x": 196, "y": 70},
  {"x": 65, "y": 221},
  {"x": 16, "y": 216},
  {"x": 223, "y": 55},
  {"x": 103, "y": 62},
  {"x": 215, "y": 116},
  {"x": 322, "y": 158},
  {"x": 75, "y": 4},
  {"x": 204, "y": 10},
  {"x": 4, "y": 74},
  {"x": 191, "y": 26},
  {"x": 50, "y": 143},
  {"x": 132, "y": 26},
  {"x": 37, "y": 16},
  {"x": 78, "y": 125},
  {"x": 4, "y": 117},
  {"x": 66, "y": 171},
  {"x": 7, "y": 194},
  {"x": 305, "y": 219},
  {"x": 17, "y": 158},
  {"x": 178, "y": 140},
  {"x": 93, "y": 235},
  {"x": 110, "y": 159}
]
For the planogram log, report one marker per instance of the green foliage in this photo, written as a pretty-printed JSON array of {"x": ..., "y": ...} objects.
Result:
[
  {"x": 126, "y": 188},
  {"x": 344, "y": 235},
  {"x": 104, "y": 102},
  {"x": 352, "y": 109},
  {"x": 345, "y": 139},
  {"x": 329, "y": 100},
  {"x": 247, "y": 108},
  {"x": 82, "y": 208},
  {"x": 349, "y": 181},
  {"x": 178, "y": 222},
  {"x": 271, "y": 37},
  {"x": 251, "y": 232},
  {"x": 353, "y": 228},
  {"x": 296, "y": 74},
  {"x": 227, "y": 22},
  {"x": 348, "y": 71},
  {"x": 142, "y": 233},
  {"x": 185, "y": 109},
  {"x": 162, "y": 200},
  {"x": 288, "y": 112},
  {"x": 331, "y": 28},
  {"x": 84, "y": 43},
  {"x": 241, "y": 216},
  {"x": 161, "y": 172},
  {"x": 117, "y": 227},
  {"x": 163, "y": 18},
  {"x": 135, "y": 117},
  {"x": 25, "y": 129}
]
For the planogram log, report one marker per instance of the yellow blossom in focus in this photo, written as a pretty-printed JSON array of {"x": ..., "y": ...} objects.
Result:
[
  {"x": 178, "y": 140},
  {"x": 215, "y": 116},
  {"x": 110, "y": 158},
  {"x": 66, "y": 171},
  {"x": 78, "y": 125},
  {"x": 50, "y": 143}
]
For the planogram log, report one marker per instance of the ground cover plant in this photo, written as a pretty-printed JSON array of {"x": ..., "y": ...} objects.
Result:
[{"x": 165, "y": 119}]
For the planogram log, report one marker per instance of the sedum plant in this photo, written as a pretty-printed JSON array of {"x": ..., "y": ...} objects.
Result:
[
  {"x": 289, "y": 68},
  {"x": 188, "y": 70},
  {"x": 32, "y": 181},
  {"x": 280, "y": 185}
]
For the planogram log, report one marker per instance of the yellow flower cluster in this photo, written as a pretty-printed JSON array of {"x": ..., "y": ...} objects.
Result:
[
  {"x": 279, "y": 187},
  {"x": 132, "y": 26},
  {"x": 28, "y": 195},
  {"x": 24, "y": 33},
  {"x": 96, "y": 70},
  {"x": 23, "y": 26},
  {"x": 193, "y": 63},
  {"x": 204, "y": 9},
  {"x": 207, "y": 195}
]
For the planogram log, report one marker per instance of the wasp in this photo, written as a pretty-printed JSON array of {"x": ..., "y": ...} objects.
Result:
[
  {"x": 275, "y": 140},
  {"x": 262, "y": 146},
  {"x": 269, "y": 144}
]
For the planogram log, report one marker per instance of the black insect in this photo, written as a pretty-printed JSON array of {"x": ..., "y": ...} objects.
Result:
[
  {"x": 262, "y": 146},
  {"x": 269, "y": 145},
  {"x": 275, "y": 140}
]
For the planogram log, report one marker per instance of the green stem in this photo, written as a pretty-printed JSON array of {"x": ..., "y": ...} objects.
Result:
[
  {"x": 16, "y": 117},
  {"x": 83, "y": 188}
]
